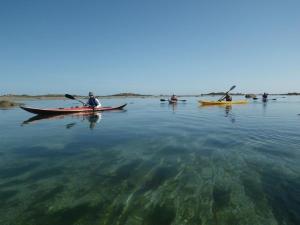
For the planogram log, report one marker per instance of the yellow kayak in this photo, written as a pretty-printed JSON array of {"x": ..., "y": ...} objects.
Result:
[{"x": 203, "y": 102}]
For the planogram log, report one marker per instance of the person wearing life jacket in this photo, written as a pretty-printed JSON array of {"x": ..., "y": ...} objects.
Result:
[
  {"x": 93, "y": 101},
  {"x": 174, "y": 98},
  {"x": 228, "y": 98}
]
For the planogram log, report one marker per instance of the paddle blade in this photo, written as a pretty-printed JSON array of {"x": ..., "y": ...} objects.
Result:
[
  {"x": 233, "y": 87},
  {"x": 163, "y": 100},
  {"x": 70, "y": 96}
]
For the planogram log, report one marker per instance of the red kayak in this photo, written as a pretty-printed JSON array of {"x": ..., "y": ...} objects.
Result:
[{"x": 56, "y": 111}]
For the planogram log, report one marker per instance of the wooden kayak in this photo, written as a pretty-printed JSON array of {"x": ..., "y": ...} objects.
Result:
[{"x": 53, "y": 111}]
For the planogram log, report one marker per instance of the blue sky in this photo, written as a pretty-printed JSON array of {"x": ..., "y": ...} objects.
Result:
[{"x": 150, "y": 47}]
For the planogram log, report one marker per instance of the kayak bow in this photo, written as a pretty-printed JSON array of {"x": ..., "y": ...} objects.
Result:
[{"x": 53, "y": 111}]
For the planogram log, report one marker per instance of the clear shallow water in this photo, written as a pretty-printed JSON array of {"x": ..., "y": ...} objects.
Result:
[{"x": 152, "y": 164}]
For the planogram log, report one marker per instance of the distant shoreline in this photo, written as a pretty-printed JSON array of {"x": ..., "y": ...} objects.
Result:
[{"x": 13, "y": 97}]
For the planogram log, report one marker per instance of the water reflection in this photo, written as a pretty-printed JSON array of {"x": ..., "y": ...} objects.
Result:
[
  {"x": 264, "y": 104},
  {"x": 172, "y": 106},
  {"x": 228, "y": 111},
  {"x": 92, "y": 118},
  {"x": 229, "y": 114}
]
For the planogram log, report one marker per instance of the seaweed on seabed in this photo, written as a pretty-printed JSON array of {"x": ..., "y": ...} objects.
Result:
[
  {"x": 221, "y": 200},
  {"x": 160, "y": 215},
  {"x": 283, "y": 194},
  {"x": 125, "y": 171},
  {"x": 71, "y": 215},
  {"x": 7, "y": 194},
  {"x": 17, "y": 170},
  {"x": 158, "y": 177}
]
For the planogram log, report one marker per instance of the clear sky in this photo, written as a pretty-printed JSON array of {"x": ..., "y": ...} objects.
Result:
[{"x": 149, "y": 47}]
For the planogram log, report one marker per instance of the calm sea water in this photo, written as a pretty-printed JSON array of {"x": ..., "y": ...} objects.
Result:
[{"x": 152, "y": 164}]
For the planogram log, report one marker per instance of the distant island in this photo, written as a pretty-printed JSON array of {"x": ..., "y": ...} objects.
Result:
[
  {"x": 62, "y": 96},
  {"x": 293, "y": 93},
  {"x": 20, "y": 97},
  {"x": 127, "y": 95}
]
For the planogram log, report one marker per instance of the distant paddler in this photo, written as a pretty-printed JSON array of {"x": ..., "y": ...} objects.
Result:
[
  {"x": 265, "y": 97},
  {"x": 174, "y": 99},
  {"x": 226, "y": 96}
]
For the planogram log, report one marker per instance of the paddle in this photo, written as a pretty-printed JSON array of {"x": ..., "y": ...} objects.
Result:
[
  {"x": 73, "y": 98},
  {"x": 233, "y": 87}
]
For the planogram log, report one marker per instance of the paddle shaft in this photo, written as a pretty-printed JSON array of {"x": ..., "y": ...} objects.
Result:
[
  {"x": 73, "y": 98},
  {"x": 233, "y": 87}
]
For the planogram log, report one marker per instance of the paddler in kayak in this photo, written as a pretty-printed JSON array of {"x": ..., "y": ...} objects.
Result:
[
  {"x": 228, "y": 98},
  {"x": 174, "y": 98},
  {"x": 265, "y": 97},
  {"x": 93, "y": 101}
]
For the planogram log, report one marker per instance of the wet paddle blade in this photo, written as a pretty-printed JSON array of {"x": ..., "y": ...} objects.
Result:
[{"x": 70, "y": 96}]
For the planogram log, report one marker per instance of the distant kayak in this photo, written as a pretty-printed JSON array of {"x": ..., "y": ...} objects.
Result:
[
  {"x": 53, "y": 111},
  {"x": 173, "y": 101},
  {"x": 203, "y": 102}
]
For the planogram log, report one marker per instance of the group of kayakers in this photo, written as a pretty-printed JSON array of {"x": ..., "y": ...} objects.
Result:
[
  {"x": 227, "y": 97},
  {"x": 94, "y": 102}
]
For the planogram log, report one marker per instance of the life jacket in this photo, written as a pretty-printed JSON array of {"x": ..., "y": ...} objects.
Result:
[
  {"x": 93, "y": 102},
  {"x": 228, "y": 98}
]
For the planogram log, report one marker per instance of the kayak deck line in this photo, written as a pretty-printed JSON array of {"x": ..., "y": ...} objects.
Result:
[
  {"x": 52, "y": 111},
  {"x": 203, "y": 102}
]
